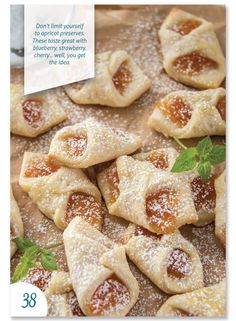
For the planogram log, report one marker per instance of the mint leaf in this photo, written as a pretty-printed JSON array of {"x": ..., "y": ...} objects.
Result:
[
  {"x": 204, "y": 169},
  {"x": 48, "y": 260},
  {"x": 22, "y": 243},
  {"x": 217, "y": 154},
  {"x": 186, "y": 161},
  {"x": 204, "y": 147},
  {"x": 27, "y": 261}
]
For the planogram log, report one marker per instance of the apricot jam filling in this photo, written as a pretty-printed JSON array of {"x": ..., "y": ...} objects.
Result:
[
  {"x": 112, "y": 295},
  {"x": 139, "y": 230},
  {"x": 74, "y": 304},
  {"x": 122, "y": 77},
  {"x": 159, "y": 159},
  {"x": 186, "y": 26},
  {"x": 113, "y": 182},
  {"x": 42, "y": 168},
  {"x": 178, "y": 264},
  {"x": 39, "y": 277},
  {"x": 161, "y": 210},
  {"x": 32, "y": 112},
  {"x": 177, "y": 110},
  {"x": 85, "y": 206},
  {"x": 75, "y": 145},
  {"x": 221, "y": 107},
  {"x": 204, "y": 194},
  {"x": 193, "y": 63}
]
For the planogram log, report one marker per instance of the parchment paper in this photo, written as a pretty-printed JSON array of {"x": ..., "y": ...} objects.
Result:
[{"x": 135, "y": 29}]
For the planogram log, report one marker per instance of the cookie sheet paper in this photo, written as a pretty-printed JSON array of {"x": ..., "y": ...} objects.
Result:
[{"x": 135, "y": 29}]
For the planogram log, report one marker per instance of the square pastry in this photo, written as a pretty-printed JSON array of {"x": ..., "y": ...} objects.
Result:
[
  {"x": 61, "y": 193},
  {"x": 118, "y": 82},
  {"x": 157, "y": 200},
  {"x": 191, "y": 51},
  {"x": 186, "y": 114},
  {"x": 34, "y": 114}
]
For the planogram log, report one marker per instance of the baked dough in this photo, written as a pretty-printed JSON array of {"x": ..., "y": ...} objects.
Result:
[
  {"x": 203, "y": 191},
  {"x": 60, "y": 192},
  {"x": 157, "y": 200},
  {"x": 170, "y": 261},
  {"x": 99, "y": 271},
  {"x": 34, "y": 114},
  {"x": 91, "y": 142},
  {"x": 161, "y": 158},
  {"x": 204, "y": 197},
  {"x": 220, "y": 210},
  {"x": 118, "y": 82},
  {"x": 191, "y": 51},
  {"x": 186, "y": 114},
  {"x": 205, "y": 302},
  {"x": 16, "y": 224}
]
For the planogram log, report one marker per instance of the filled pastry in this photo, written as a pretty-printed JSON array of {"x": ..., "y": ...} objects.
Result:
[
  {"x": 220, "y": 209},
  {"x": 186, "y": 114},
  {"x": 16, "y": 224},
  {"x": 161, "y": 158},
  {"x": 204, "y": 302},
  {"x": 118, "y": 82},
  {"x": 61, "y": 193},
  {"x": 170, "y": 261},
  {"x": 156, "y": 200},
  {"x": 204, "y": 197},
  {"x": 91, "y": 142},
  {"x": 58, "y": 290},
  {"x": 191, "y": 51},
  {"x": 34, "y": 114},
  {"x": 99, "y": 271}
]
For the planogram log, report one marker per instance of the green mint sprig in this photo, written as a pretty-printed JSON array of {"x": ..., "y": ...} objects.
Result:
[
  {"x": 201, "y": 157},
  {"x": 30, "y": 252}
]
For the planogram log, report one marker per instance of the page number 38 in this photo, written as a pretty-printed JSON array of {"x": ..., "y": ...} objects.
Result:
[{"x": 29, "y": 300}]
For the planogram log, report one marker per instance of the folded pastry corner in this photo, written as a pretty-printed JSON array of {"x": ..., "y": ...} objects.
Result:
[
  {"x": 61, "y": 193},
  {"x": 91, "y": 142},
  {"x": 16, "y": 224},
  {"x": 170, "y": 261},
  {"x": 156, "y": 200},
  {"x": 204, "y": 302},
  {"x": 99, "y": 271},
  {"x": 118, "y": 82},
  {"x": 220, "y": 209},
  {"x": 186, "y": 114},
  {"x": 34, "y": 114},
  {"x": 191, "y": 51}
]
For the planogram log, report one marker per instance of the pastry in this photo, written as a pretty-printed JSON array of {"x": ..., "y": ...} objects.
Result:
[
  {"x": 118, "y": 82},
  {"x": 220, "y": 209},
  {"x": 99, "y": 271},
  {"x": 170, "y": 261},
  {"x": 58, "y": 290},
  {"x": 34, "y": 114},
  {"x": 204, "y": 302},
  {"x": 91, "y": 142},
  {"x": 161, "y": 158},
  {"x": 157, "y": 200},
  {"x": 191, "y": 51},
  {"x": 16, "y": 224},
  {"x": 186, "y": 114},
  {"x": 61, "y": 193},
  {"x": 204, "y": 197}
]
